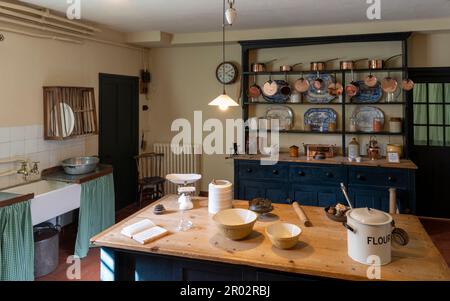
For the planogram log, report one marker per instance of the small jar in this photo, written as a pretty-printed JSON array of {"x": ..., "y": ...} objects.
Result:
[
  {"x": 353, "y": 124},
  {"x": 293, "y": 151},
  {"x": 377, "y": 124},
  {"x": 395, "y": 125},
  {"x": 353, "y": 149},
  {"x": 332, "y": 127}
]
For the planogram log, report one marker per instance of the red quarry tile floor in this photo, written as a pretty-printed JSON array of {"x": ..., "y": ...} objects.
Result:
[{"x": 438, "y": 229}]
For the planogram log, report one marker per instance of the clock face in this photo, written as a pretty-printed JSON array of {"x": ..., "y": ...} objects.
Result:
[{"x": 226, "y": 73}]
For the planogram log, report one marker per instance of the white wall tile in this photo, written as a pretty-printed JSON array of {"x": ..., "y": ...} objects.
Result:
[
  {"x": 31, "y": 146},
  {"x": 31, "y": 132},
  {"x": 5, "y": 135},
  {"x": 17, "y": 148},
  {"x": 5, "y": 150},
  {"x": 17, "y": 133},
  {"x": 40, "y": 131}
]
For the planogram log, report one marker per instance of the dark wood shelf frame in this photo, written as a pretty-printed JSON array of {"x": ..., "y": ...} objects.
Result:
[{"x": 250, "y": 45}]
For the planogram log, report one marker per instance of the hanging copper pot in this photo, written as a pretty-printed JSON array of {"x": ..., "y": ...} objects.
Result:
[{"x": 407, "y": 84}]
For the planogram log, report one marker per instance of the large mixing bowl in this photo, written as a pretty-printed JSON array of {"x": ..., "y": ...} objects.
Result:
[
  {"x": 80, "y": 165},
  {"x": 235, "y": 223}
]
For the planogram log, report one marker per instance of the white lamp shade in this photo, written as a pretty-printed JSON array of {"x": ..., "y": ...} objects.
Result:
[
  {"x": 224, "y": 101},
  {"x": 230, "y": 14}
]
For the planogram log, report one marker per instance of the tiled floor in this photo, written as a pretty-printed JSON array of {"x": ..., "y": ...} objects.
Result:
[{"x": 438, "y": 229}]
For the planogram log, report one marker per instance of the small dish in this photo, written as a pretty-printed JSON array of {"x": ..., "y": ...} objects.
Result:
[
  {"x": 336, "y": 218},
  {"x": 283, "y": 235}
]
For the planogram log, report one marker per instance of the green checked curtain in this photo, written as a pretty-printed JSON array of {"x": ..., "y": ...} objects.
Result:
[
  {"x": 96, "y": 211},
  {"x": 16, "y": 243},
  {"x": 431, "y": 106}
]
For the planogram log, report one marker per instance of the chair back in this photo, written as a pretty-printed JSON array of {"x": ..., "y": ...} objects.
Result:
[{"x": 149, "y": 165}]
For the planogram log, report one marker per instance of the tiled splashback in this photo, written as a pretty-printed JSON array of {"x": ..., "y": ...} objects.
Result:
[{"x": 27, "y": 142}]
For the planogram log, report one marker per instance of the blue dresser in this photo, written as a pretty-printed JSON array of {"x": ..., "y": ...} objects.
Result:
[{"x": 316, "y": 184}]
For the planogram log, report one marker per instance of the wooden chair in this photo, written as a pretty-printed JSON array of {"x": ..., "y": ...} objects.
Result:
[{"x": 150, "y": 180}]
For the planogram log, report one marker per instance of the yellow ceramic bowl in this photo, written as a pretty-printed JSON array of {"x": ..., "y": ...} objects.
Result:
[
  {"x": 235, "y": 223},
  {"x": 283, "y": 235}
]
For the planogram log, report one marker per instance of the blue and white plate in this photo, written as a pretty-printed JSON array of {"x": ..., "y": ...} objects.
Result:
[
  {"x": 278, "y": 97},
  {"x": 364, "y": 116},
  {"x": 321, "y": 95},
  {"x": 368, "y": 94},
  {"x": 319, "y": 118}
]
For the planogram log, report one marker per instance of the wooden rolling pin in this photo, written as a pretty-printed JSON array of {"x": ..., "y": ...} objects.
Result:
[{"x": 301, "y": 214}]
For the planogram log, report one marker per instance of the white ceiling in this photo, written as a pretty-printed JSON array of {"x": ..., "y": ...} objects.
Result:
[{"x": 178, "y": 16}]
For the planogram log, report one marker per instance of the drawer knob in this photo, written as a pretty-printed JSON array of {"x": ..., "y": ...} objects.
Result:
[
  {"x": 301, "y": 173},
  {"x": 391, "y": 179},
  {"x": 329, "y": 174},
  {"x": 360, "y": 177},
  {"x": 249, "y": 170},
  {"x": 275, "y": 172}
]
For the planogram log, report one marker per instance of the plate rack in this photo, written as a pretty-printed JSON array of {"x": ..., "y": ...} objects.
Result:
[{"x": 69, "y": 112}]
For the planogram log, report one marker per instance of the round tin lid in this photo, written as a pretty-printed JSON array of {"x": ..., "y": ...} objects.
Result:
[{"x": 369, "y": 216}]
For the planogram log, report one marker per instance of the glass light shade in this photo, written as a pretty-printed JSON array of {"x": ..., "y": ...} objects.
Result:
[
  {"x": 230, "y": 15},
  {"x": 223, "y": 102}
]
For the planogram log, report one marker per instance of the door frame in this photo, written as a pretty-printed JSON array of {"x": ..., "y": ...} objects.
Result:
[{"x": 135, "y": 114}]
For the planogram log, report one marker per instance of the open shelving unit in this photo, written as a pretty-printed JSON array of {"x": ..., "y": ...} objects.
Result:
[{"x": 248, "y": 46}]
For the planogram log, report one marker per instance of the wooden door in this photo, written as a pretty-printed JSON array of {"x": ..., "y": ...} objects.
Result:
[
  {"x": 429, "y": 139},
  {"x": 119, "y": 132}
]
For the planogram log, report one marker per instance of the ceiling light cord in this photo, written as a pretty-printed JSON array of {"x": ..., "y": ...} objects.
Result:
[{"x": 223, "y": 47}]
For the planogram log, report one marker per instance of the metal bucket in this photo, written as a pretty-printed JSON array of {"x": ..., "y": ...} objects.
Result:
[{"x": 46, "y": 249}]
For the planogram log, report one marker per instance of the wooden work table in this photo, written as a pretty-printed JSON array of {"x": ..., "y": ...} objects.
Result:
[{"x": 320, "y": 252}]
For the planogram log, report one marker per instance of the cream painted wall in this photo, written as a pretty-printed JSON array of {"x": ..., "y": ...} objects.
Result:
[
  {"x": 184, "y": 81},
  {"x": 28, "y": 64}
]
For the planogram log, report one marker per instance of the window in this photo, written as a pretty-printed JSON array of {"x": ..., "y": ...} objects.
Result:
[{"x": 431, "y": 114}]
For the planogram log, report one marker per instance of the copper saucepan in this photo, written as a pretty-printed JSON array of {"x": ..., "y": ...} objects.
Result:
[
  {"x": 379, "y": 63},
  {"x": 288, "y": 68},
  {"x": 349, "y": 65},
  {"x": 320, "y": 66},
  {"x": 261, "y": 67}
]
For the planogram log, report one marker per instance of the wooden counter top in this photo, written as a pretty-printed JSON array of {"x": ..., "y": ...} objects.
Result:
[
  {"x": 338, "y": 160},
  {"x": 7, "y": 199},
  {"x": 58, "y": 174},
  {"x": 321, "y": 251}
]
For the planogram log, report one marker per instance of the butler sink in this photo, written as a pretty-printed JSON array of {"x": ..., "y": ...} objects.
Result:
[{"x": 51, "y": 198}]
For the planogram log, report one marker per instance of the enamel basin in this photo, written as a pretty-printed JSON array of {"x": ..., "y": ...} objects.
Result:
[{"x": 51, "y": 198}]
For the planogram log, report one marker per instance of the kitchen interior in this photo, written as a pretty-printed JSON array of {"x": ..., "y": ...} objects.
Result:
[{"x": 355, "y": 111}]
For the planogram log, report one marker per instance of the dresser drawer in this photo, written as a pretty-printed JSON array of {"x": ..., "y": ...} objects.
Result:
[
  {"x": 257, "y": 171},
  {"x": 317, "y": 174},
  {"x": 378, "y": 177}
]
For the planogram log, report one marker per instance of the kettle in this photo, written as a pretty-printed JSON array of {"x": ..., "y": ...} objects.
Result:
[{"x": 373, "y": 150}]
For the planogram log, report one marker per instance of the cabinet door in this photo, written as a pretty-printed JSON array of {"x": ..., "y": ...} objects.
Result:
[
  {"x": 370, "y": 197},
  {"x": 276, "y": 192},
  {"x": 315, "y": 195}
]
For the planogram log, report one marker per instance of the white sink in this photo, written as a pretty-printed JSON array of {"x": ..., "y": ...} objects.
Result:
[{"x": 51, "y": 198}]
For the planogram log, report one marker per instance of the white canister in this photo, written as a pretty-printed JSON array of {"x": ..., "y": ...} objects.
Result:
[
  {"x": 220, "y": 196},
  {"x": 369, "y": 233}
]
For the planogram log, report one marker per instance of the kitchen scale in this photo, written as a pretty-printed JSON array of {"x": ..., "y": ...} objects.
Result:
[{"x": 186, "y": 190}]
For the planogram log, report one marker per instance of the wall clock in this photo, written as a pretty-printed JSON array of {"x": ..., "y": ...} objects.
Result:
[{"x": 227, "y": 73}]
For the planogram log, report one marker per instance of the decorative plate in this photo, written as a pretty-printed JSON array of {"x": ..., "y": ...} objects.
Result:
[
  {"x": 368, "y": 94},
  {"x": 277, "y": 97},
  {"x": 321, "y": 95},
  {"x": 364, "y": 117},
  {"x": 284, "y": 114},
  {"x": 67, "y": 119},
  {"x": 318, "y": 119}
]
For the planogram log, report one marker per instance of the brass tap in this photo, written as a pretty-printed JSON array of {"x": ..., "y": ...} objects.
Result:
[
  {"x": 35, "y": 169},
  {"x": 24, "y": 170}
]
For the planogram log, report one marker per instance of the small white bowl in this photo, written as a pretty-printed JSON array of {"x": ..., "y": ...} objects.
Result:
[{"x": 283, "y": 235}]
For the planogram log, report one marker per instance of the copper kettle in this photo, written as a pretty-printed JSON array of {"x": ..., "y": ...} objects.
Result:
[{"x": 373, "y": 150}]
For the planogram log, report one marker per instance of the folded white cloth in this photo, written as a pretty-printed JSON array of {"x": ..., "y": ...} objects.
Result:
[
  {"x": 135, "y": 228},
  {"x": 150, "y": 235}
]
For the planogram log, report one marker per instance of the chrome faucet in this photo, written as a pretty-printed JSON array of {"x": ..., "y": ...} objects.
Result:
[{"x": 24, "y": 170}]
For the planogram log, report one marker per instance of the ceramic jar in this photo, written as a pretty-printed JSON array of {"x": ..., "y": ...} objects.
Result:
[{"x": 395, "y": 125}]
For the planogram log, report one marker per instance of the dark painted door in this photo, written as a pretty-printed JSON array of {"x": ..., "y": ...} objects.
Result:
[
  {"x": 429, "y": 139},
  {"x": 119, "y": 132}
]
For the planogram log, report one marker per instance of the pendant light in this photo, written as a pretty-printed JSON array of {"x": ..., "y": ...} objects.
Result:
[{"x": 224, "y": 101}]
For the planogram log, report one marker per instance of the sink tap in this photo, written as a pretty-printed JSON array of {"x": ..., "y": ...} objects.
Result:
[
  {"x": 24, "y": 170},
  {"x": 35, "y": 169}
]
